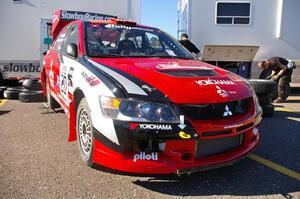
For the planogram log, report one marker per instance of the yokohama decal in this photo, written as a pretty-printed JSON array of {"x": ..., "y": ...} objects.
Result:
[
  {"x": 155, "y": 127},
  {"x": 208, "y": 82}
]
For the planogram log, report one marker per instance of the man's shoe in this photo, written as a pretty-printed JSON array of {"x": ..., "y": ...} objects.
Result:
[{"x": 279, "y": 100}]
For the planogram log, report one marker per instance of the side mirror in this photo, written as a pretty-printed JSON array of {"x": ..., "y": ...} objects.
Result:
[{"x": 72, "y": 50}]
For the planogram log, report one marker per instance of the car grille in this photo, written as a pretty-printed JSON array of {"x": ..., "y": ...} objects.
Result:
[
  {"x": 217, "y": 146},
  {"x": 216, "y": 111}
]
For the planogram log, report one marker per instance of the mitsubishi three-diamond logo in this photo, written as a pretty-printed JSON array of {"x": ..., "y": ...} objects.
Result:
[{"x": 227, "y": 112}]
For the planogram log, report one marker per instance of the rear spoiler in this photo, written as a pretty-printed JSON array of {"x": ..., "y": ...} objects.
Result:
[{"x": 62, "y": 17}]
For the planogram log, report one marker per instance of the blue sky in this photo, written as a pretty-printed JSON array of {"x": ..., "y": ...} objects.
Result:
[{"x": 161, "y": 14}]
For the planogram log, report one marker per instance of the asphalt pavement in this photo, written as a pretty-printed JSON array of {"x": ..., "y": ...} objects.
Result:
[{"x": 37, "y": 161}]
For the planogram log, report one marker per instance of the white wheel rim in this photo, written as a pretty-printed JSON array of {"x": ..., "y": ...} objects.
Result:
[{"x": 85, "y": 132}]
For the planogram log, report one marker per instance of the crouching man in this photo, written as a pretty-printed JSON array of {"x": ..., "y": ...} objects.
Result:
[{"x": 282, "y": 70}]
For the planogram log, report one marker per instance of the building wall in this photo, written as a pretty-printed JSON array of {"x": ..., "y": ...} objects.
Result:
[
  {"x": 20, "y": 35},
  {"x": 261, "y": 31}
]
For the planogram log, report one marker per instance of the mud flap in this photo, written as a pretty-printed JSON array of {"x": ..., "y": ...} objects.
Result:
[{"x": 72, "y": 123}]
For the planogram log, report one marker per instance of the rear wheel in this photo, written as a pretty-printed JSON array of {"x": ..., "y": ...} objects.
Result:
[{"x": 85, "y": 134}]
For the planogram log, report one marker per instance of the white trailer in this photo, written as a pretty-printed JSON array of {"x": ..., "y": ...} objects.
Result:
[
  {"x": 26, "y": 29},
  {"x": 273, "y": 25}
]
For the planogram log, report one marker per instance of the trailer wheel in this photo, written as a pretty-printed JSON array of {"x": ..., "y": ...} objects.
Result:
[
  {"x": 268, "y": 110},
  {"x": 50, "y": 100},
  {"x": 85, "y": 134},
  {"x": 11, "y": 94},
  {"x": 261, "y": 86},
  {"x": 31, "y": 96}
]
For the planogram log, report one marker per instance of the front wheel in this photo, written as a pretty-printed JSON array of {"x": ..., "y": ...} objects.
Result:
[{"x": 85, "y": 134}]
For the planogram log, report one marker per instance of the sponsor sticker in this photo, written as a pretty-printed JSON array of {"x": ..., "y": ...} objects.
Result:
[
  {"x": 184, "y": 135},
  {"x": 55, "y": 18},
  {"x": 21, "y": 67},
  {"x": 91, "y": 80},
  {"x": 63, "y": 80},
  {"x": 208, "y": 82},
  {"x": 148, "y": 88},
  {"x": 74, "y": 15},
  {"x": 221, "y": 92},
  {"x": 166, "y": 127},
  {"x": 145, "y": 156},
  {"x": 224, "y": 93},
  {"x": 118, "y": 26},
  {"x": 70, "y": 77}
]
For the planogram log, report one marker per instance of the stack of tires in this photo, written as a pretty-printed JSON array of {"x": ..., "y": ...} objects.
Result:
[
  {"x": 2, "y": 89},
  {"x": 264, "y": 90},
  {"x": 30, "y": 91}
]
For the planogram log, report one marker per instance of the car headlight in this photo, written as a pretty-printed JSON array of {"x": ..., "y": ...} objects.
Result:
[
  {"x": 258, "y": 109},
  {"x": 137, "y": 111}
]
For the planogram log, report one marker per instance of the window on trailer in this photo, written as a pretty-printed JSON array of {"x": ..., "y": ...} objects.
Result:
[{"x": 233, "y": 13}]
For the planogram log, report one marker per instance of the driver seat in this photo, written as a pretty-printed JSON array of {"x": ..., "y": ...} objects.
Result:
[{"x": 126, "y": 46}]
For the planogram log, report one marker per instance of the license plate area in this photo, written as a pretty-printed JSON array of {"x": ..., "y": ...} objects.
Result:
[{"x": 217, "y": 146}]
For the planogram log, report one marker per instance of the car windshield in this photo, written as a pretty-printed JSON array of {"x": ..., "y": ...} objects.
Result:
[{"x": 110, "y": 40}]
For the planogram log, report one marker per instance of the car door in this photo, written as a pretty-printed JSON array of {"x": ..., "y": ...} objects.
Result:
[
  {"x": 55, "y": 63},
  {"x": 67, "y": 66}
]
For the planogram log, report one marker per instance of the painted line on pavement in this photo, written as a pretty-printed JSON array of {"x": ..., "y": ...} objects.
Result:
[
  {"x": 2, "y": 101},
  {"x": 275, "y": 166},
  {"x": 286, "y": 110},
  {"x": 283, "y": 109}
]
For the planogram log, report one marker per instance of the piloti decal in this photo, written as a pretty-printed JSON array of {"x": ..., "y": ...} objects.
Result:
[
  {"x": 207, "y": 82},
  {"x": 21, "y": 67},
  {"x": 155, "y": 127},
  {"x": 145, "y": 156}
]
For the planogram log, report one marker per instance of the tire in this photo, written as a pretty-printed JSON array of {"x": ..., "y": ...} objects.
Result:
[
  {"x": 268, "y": 110},
  {"x": 265, "y": 99},
  {"x": 32, "y": 85},
  {"x": 1, "y": 79},
  {"x": 50, "y": 100},
  {"x": 15, "y": 88},
  {"x": 262, "y": 86},
  {"x": 11, "y": 94},
  {"x": 31, "y": 96},
  {"x": 265, "y": 74},
  {"x": 85, "y": 134},
  {"x": 1, "y": 93}
]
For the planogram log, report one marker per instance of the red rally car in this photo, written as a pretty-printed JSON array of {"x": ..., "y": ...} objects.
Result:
[{"x": 137, "y": 101}]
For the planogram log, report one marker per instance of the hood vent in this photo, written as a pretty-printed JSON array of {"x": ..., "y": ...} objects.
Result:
[{"x": 190, "y": 73}]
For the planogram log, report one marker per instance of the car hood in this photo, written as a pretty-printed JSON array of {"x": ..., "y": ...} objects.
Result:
[{"x": 182, "y": 81}]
